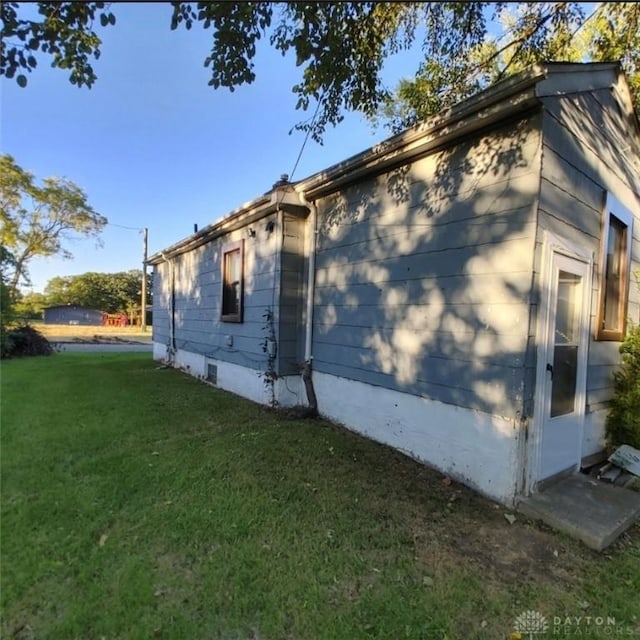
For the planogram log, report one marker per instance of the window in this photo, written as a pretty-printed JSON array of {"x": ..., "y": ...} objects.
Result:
[
  {"x": 232, "y": 281},
  {"x": 615, "y": 253}
]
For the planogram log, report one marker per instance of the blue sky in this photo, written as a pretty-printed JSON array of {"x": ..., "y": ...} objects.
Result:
[{"x": 154, "y": 146}]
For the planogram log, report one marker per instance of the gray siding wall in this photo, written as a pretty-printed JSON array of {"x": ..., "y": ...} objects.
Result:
[
  {"x": 198, "y": 296},
  {"x": 423, "y": 278},
  {"x": 584, "y": 141},
  {"x": 161, "y": 304}
]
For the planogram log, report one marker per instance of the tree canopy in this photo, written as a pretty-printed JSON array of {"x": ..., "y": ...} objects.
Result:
[
  {"x": 35, "y": 220},
  {"x": 530, "y": 33},
  {"x": 341, "y": 47},
  {"x": 7, "y": 265},
  {"x": 110, "y": 292}
]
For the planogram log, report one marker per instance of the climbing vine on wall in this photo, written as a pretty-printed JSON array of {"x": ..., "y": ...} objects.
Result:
[{"x": 269, "y": 347}]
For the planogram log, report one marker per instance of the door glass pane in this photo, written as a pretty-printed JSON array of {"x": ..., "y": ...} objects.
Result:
[
  {"x": 565, "y": 349},
  {"x": 566, "y": 317},
  {"x": 563, "y": 387}
]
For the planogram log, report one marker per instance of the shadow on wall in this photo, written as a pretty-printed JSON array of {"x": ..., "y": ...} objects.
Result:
[
  {"x": 597, "y": 120},
  {"x": 423, "y": 278},
  {"x": 424, "y": 274}
]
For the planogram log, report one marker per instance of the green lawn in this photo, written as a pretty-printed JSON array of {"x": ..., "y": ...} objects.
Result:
[{"x": 138, "y": 502}]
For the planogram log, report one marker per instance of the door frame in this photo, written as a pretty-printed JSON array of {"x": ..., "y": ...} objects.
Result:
[{"x": 553, "y": 244}]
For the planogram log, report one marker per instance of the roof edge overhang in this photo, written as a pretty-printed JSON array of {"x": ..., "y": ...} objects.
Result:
[
  {"x": 241, "y": 217},
  {"x": 250, "y": 211},
  {"x": 436, "y": 131},
  {"x": 512, "y": 96},
  {"x": 508, "y": 98}
]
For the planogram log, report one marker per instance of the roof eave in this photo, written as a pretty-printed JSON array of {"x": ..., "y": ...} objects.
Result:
[
  {"x": 248, "y": 213},
  {"x": 516, "y": 93}
]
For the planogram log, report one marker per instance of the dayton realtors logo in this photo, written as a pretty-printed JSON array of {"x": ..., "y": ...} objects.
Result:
[
  {"x": 533, "y": 625},
  {"x": 530, "y": 623}
]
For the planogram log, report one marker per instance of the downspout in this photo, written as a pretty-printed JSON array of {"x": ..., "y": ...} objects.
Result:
[
  {"x": 311, "y": 282},
  {"x": 171, "y": 350}
]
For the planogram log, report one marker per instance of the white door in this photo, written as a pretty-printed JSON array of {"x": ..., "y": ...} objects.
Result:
[{"x": 564, "y": 359}]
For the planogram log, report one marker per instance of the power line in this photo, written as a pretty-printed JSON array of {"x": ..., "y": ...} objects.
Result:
[
  {"x": 306, "y": 137},
  {"x": 122, "y": 226}
]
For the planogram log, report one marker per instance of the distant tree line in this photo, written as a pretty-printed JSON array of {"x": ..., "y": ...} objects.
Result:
[{"x": 110, "y": 292}]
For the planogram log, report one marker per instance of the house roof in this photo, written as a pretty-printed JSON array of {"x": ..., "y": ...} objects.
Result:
[{"x": 519, "y": 93}]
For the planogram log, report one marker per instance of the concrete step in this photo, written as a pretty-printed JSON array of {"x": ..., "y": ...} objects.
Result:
[{"x": 584, "y": 508}]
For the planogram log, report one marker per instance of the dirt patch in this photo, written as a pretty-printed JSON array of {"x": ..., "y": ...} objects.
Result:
[
  {"x": 453, "y": 526},
  {"x": 515, "y": 552},
  {"x": 472, "y": 530}
]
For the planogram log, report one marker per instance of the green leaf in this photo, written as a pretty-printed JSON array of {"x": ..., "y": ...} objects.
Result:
[
  {"x": 341, "y": 47},
  {"x": 22, "y": 80}
]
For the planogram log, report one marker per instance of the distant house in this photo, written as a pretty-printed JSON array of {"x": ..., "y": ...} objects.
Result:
[
  {"x": 458, "y": 292},
  {"x": 72, "y": 314}
]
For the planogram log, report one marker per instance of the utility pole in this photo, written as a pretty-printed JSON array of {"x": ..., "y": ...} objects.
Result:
[{"x": 143, "y": 314}]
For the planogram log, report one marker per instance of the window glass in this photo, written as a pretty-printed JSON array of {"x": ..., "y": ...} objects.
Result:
[
  {"x": 613, "y": 275},
  {"x": 232, "y": 286}
]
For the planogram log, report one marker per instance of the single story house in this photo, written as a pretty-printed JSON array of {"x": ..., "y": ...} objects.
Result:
[
  {"x": 458, "y": 292},
  {"x": 72, "y": 314}
]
